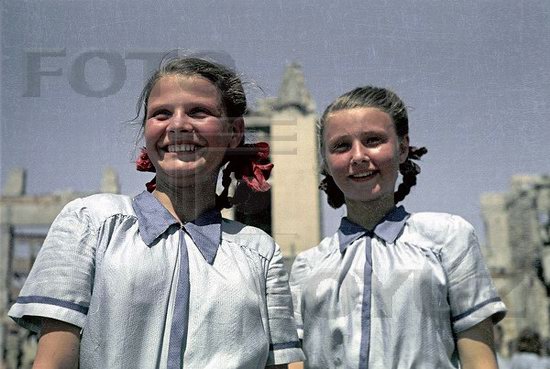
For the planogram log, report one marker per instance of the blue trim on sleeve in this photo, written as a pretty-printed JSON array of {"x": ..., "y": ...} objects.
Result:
[
  {"x": 52, "y": 301},
  {"x": 477, "y": 307},
  {"x": 286, "y": 345}
]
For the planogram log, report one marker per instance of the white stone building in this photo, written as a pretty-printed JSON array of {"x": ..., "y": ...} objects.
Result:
[{"x": 517, "y": 251}]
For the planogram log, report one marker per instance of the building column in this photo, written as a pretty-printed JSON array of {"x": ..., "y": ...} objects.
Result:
[{"x": 5, "y": 242}]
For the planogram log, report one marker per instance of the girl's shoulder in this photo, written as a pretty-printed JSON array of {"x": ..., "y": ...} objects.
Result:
[
  {"x": 437, "y": 229},
  {"x": 109, "y": 203},
  {"x": 250, "y": 237},
  {"x": 437, "y": 224},
  {"x": 98, "y": 207},
  {"x": 310, "y": 257}
]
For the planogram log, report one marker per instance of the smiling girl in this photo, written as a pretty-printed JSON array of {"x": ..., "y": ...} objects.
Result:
[
  {"x": 161, "y": 280},
  {"x": 389, "y": 289}
]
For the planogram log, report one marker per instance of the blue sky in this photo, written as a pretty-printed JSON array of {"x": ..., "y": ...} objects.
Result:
[{"x": 475, "y": 73}]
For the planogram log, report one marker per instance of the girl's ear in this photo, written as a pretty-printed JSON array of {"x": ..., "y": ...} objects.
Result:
[
  {"x": 237, "y": 132},
  {"x": 403, "y": 148}
]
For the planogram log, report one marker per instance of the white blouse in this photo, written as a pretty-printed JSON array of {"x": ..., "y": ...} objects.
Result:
[
  {"x": 110, "y": 265},
  {"x": 426, "y": 282}
]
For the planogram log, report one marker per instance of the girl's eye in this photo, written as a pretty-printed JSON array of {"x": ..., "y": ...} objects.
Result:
[
  {"x": 339, "y": 146},
  {"x": 373, "y": 141},
  {"x": 160, "y": 114},
  {"x": 200, "y": 112}
]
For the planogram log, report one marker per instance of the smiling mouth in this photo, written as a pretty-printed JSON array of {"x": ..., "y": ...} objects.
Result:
[
  {"x": 364, "y": 175},
  {"x": 186, "y": 148}
]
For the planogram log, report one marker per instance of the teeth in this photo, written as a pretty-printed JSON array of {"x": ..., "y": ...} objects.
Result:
[
  {"x": 362, "y": 175},
  {"x": 181, "y": 148}
]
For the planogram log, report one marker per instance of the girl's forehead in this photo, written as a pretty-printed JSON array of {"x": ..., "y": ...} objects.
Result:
[
  {"x": 188, "y": 86},
  {"x": 358, "y": 113},
  {"x": 194, "y": 83},
  {"x": 358, "y": 119}
]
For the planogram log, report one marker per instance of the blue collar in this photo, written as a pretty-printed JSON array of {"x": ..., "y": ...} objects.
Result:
[
  {"x": 387, "y": 229},
  {"x": 154, "y": 219}
]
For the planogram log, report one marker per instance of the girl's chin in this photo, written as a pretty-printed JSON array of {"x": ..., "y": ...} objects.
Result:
[
  {"x": 187, "y": 176},
  {"x": 371, "y": 198}
]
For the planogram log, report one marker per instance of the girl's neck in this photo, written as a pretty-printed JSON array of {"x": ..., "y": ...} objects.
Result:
[
  {"x": 188, "y": 202},
  {"x": 369, "y": 213}
]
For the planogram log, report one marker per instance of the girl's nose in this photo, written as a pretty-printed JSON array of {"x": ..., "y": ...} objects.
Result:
[
  {"x": 359, "y": 154},
  {"x": 180, "y": 123}
]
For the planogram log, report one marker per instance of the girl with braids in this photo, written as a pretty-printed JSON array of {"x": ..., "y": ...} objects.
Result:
[
  {"x": 161, "y": 280},
  {"x": 389, "y": 289}
]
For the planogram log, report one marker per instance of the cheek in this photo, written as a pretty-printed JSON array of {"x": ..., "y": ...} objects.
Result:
[
  {"x": 216, "y": 135},
  {"x": 388, "y": 156},
  {"x": 336, "y": 166},
  {"x": 390, "y": 165},
  {"x": 150, "y": 130},
  {"x": 151, "y": 135}
]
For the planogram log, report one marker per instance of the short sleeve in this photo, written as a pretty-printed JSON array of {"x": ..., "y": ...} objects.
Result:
[
  {"x": 300, "y": 269},
  {"x": 284, "y": 346},
  {"x": 59, "y": 285},
  {"x": 472, "y": 295}
]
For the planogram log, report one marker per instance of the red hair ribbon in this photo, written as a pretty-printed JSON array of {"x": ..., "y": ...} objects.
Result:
[
  {"x": 250, "y": 163},
  {"x": 143, "y": 164}
]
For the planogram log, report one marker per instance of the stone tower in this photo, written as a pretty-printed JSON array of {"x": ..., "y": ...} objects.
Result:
[
  {"x": 296, "y": 209},
  {"x": 287, "y": 122}
]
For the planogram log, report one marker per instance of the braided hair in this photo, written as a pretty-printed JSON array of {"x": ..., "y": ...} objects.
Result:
[{"x": 388, "y": 102}]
